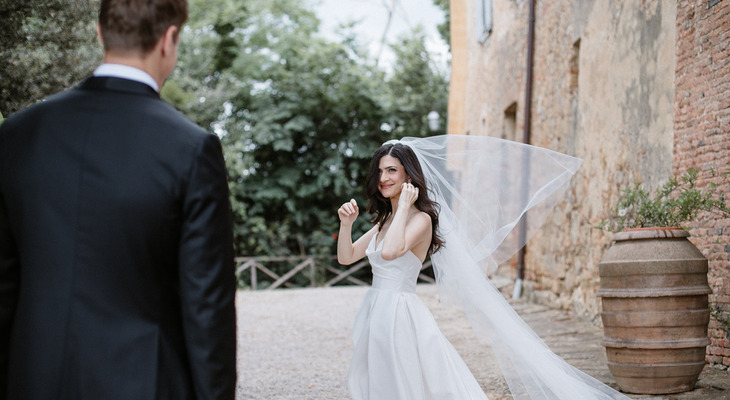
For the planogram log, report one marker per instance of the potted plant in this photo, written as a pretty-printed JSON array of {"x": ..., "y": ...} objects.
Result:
[{"x": 654, "y": 287}]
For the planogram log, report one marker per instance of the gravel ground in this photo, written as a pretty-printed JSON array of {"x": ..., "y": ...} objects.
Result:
[{"x": 295, "y": 344}]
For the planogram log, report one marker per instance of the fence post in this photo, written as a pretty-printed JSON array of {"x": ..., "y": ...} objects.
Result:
[
  {"x": 253, "y": 276},
  {"x": 311, "y": 273}
]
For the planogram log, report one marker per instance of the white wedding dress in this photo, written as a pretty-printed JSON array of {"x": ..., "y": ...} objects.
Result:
[
  {"x": 493, "y": 195},
  {"x": 400, "y": 353}
]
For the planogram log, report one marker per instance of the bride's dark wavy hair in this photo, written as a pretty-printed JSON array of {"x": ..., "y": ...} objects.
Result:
[{"x": 379, "y": 206}]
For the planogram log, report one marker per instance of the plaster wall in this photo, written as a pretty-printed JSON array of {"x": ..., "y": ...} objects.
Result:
[{"x": 603, "y": 90}]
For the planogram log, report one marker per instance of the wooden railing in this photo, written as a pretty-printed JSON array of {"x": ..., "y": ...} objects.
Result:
[{"x": 306, "y": 265}]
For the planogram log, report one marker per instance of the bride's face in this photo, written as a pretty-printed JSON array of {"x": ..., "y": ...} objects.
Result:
[{"x": 392, "y": 175}]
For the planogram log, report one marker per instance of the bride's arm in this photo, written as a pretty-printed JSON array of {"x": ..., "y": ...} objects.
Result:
[
  {"x": 404, "y": 234},
  {"x": 347, "y": 252}
]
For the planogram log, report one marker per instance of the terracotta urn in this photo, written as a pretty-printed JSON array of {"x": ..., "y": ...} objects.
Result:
[{"x": 655, "y": 311}]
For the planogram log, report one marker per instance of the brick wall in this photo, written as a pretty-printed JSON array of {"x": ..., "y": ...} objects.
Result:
[{"x": 702, "y": 138}]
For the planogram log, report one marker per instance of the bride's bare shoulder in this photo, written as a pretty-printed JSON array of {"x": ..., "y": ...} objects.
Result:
[{"x": 421, "y": 217}]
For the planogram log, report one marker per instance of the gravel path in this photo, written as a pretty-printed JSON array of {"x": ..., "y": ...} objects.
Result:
[{"x": 295, "y": 344}]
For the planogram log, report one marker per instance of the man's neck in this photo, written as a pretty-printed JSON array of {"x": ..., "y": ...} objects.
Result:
[{"x": 146, "y": 64}]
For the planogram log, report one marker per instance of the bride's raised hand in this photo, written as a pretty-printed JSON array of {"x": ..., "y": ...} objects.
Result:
[
  {"x": 348, "y": 212},
  {"x": 408, "y": 195}
]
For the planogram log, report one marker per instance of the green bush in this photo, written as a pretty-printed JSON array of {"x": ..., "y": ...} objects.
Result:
[{"x": 675, "y": 203}]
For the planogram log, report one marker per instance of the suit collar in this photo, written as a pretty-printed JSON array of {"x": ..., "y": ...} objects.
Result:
[
  {"x": 118, "y": 85},
  {"x": 126, "y": 72}
]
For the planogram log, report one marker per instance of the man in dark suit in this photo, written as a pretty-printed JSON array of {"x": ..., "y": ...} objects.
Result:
[{"x": 116, "y": 261}]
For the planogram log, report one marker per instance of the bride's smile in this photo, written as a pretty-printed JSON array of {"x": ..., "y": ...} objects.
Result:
[{"x": 392, "y": 176}]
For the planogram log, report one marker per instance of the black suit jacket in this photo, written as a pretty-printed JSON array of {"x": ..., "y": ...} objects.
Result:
[{"x": 116, "y": 258}]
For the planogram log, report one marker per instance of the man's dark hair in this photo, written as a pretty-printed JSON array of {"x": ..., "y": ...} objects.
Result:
[{"x": 136, "y": 25}]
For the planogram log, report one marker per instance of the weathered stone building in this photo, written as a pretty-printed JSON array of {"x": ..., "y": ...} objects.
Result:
[{"x": 640, "y": 90}]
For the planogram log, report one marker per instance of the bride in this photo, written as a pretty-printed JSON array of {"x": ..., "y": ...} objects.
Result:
[{"x": 399, "y": 351}]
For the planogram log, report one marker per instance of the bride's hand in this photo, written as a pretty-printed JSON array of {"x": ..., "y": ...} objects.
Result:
[
  {"x": 408, "y": 195},
  {"x": 348, "y": 212}
]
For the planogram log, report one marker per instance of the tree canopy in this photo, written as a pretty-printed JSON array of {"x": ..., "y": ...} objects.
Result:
[
  {"x": 299, "y": 115},
  {"x": 45, "y": 47},
  {"x": 445, "y": 28}
]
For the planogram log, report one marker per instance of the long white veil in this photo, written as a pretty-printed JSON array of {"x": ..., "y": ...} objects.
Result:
[{"x": 487, "y": 187}]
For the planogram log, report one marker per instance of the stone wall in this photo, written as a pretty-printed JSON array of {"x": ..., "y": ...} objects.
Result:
[
  {"x": 603, "y": 90},
  {"x": 702, "y": 138}
]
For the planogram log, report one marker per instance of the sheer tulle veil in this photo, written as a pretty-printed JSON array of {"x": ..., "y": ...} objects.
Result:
[{"x": 486, "y": 187}]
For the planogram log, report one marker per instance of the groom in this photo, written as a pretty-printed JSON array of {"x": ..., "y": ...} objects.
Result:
[{"x": 116, "y": 260}]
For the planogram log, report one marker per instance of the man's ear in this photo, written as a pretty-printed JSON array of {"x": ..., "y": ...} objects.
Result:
[
  {"x": 98, "y": 33},
  {"x": 169, "y": 40}
]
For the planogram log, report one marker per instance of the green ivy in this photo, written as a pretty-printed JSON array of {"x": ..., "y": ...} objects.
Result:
[{"x": 718, "y": 312}]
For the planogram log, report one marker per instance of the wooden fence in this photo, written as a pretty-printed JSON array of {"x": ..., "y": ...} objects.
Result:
[{"x": 306, "y": 266}]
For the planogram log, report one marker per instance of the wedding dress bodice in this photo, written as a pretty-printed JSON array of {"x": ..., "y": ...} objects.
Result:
[{"x": 400, "y": 274}]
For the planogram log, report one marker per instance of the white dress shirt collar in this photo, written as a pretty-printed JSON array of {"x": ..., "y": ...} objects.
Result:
[{"x": 126, "y": 72}]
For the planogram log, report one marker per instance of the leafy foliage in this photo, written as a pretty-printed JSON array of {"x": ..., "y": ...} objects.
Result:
[
  {"x": 719, "y": 313},
  {"x": 676, "y": 202},
  {"x": 299, "y": 116},
  {"x": 445, "y": 28},
  {"x": 415, "y": 88},
  {"x": 45, "y": 47}
]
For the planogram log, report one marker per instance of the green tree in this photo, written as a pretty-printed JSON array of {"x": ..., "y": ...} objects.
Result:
[
  {"x": 299, "y": 116},
  {"x": 445, "y": 27},
  {"x": 45, "y": 47},
  {"x": 416, "y": 87}
]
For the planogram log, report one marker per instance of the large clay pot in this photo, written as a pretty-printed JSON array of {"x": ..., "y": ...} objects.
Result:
[{"x": 655, "y": 312}]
